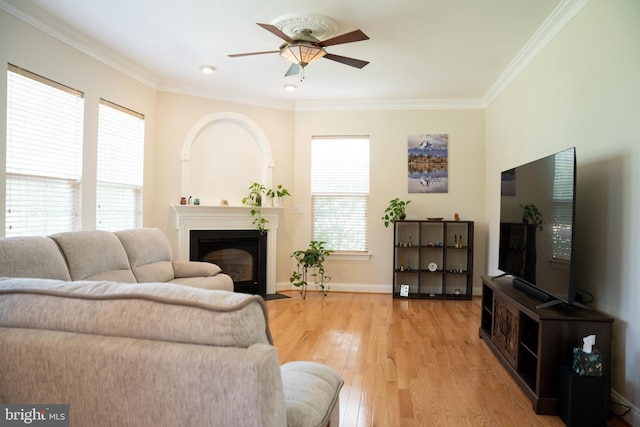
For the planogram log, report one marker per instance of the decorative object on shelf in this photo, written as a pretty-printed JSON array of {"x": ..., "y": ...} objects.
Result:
[
  {"x": 404, "y": 290},
  {"x": 432, "y": 266},
  {"x": 409, "y": 265},
  {"x": 401, "y": 263},
  {"x": 428, "y": 162},
  {"x": 457, "y": 241},
  {"x": 531, "y": 215},
  {"x": 254, "y": 199},
  {"x": 277, "y": 194},
  {"x": 196, "y": 201},
  {"x": 395, "y": 211},
  {"x": 224, "y": 202},
  {"x": 310, "y": 263},
  {"x": 435, "y": 219},
  {"x": 409, "y": 243},
  {"x": 457, "y": 292},
  {"x": 183, "y": 200},
  {"x": 456, "y": 216}
]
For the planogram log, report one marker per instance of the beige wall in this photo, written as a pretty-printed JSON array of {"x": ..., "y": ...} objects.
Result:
[
  {"x": 388, "y": 131},
  {"x": 583, "y": 90}
]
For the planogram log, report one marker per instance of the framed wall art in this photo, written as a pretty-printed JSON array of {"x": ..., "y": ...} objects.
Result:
[{"x": 428, "y": 160}]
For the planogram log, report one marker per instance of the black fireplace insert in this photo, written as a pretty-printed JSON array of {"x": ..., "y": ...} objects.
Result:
[{"x": 242, "y": 254}]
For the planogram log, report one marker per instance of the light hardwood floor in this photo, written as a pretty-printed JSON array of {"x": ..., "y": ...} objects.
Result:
[{"x": 404, "y": 362}]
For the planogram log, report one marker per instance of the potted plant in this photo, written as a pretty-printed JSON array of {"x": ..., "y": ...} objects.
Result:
[
  {"x": 310, "y": 263},
  {"x": 531, "y": 215},
  {"x": 277, "y": 194},
  {"x": 257, "y": 192},
  {"x": 395, "y": 211}
]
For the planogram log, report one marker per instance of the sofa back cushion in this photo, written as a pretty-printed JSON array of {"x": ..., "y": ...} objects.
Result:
[
  {"x": 95, "y": 255},
  {"x": 149, "y": 254},
  {"x": 33, "y": 256},
  {"x": 153, "y": 311}
]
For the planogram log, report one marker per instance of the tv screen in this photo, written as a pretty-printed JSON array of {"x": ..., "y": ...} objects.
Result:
[{"x": 537, "y": 217}]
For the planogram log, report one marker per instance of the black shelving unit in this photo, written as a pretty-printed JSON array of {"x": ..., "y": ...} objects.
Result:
[{"x": 433, "y": 259}]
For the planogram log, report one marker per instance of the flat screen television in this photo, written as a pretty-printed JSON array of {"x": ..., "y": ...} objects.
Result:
[{"x": 538, "y": 254}]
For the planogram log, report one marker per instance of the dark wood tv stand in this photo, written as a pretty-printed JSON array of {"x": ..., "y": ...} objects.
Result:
[{"x": 533, "y": 343}]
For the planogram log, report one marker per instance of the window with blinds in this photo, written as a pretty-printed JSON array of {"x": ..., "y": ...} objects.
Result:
[
  {"x": 120, "y": 166},
  {"x": 340, "y": 192},
  {"x": 562, "y": 209},
  {"x": 44, "y": 155}
]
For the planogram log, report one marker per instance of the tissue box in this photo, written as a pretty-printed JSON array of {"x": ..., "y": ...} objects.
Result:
[{"x": 587, "y": 364}]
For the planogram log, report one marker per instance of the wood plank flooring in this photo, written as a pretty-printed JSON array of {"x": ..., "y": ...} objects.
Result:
[{"x": 405, "y": 363}]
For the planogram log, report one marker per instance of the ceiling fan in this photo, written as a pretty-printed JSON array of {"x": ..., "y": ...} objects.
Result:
[{"x": 303, "y": 48}]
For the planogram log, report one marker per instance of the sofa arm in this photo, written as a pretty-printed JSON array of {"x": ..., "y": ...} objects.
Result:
[
  {"x": 142, "y": 383},
  {"x": 195, "y": 269}
]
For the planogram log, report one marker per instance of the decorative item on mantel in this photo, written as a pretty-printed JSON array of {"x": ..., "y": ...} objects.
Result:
[
  {"x": 277, "y": 194},
  {"x": 254, "y": 199}
]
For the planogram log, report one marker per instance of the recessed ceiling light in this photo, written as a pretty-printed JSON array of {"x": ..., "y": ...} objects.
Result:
[
  {"x": 208, "y": 69},
  {"x": 290, "y": 87}
]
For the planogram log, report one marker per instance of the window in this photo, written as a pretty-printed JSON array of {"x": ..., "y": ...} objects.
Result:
[
  {"x": 340, "y": 192},
  {"x": 120, "y": 165},
  {"x": 44, "y": 155},
  {"x": 562, "y": 209}
]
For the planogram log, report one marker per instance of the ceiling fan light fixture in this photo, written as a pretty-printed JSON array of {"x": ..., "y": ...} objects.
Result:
[{"x": 302, "y": 53}]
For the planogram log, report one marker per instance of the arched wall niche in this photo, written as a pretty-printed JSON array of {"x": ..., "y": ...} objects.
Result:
[{"x": 222, "y": 155}]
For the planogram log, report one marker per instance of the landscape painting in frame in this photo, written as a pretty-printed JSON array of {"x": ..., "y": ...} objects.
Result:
[{"x": 428, "y": 163}]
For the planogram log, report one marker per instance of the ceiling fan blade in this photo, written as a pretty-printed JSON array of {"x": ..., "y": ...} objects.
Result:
[
  {"x": 293, "y": 70},
  {"x": 275, "y": 30},
  {"x": 353, "y": 36},
  {"x": 345, "y": 60},
  {"x": 235, "y": 55}
]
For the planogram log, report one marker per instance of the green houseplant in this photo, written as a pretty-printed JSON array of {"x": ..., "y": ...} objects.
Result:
[
  {"x": 531, "y": 215},
  {"x": 277, "y": 194},
  {"x": 257, "y": 193},
  {"x": 310, "y": 264},
  {"x": 395, "y": 211}
]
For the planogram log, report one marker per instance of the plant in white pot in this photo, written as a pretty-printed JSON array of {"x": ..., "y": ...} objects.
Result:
[{"x": 277, "y": 194}]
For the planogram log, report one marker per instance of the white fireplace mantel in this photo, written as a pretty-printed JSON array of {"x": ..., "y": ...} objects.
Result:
[{"x": 192, "y": 217}]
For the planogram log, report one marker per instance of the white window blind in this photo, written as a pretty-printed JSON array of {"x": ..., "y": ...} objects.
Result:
[
  {"x": 562, "y": 209},
  {"x": 120, "y": 166},
  {"x": 340, "y": 192},
  {"x": 44, "y": 155}
]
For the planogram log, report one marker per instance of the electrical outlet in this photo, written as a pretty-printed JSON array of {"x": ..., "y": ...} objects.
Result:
[{"x": 298, "y": 209}]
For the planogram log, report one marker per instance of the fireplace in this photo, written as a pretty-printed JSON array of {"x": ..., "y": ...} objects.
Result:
[{"x": 242, "y": 254}]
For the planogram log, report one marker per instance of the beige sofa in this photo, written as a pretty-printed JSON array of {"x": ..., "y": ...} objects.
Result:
[
  {"x": 144, "y": 354},
  {"x": 128, "y": 256}
]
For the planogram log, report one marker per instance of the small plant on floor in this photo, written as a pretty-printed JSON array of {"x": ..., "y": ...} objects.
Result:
[
  {"x": 257, "y": 192},
  {"x": 310, "y": 264}
]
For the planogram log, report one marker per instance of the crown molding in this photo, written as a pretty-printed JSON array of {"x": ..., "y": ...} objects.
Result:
[
  {"x": 391, "y": 104},
  {"x": 559, "y": 18},
  {"x": 46, "y": 23},
  {"x": 550, "y": 28}
]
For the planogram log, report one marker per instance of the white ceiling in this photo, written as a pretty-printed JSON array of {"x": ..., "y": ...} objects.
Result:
[{"x": 420, "y": 51}]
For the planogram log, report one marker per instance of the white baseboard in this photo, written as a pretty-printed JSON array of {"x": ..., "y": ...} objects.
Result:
[
  {"x": 353, "y": 287},
  {"x": 342, "y": 287},
  {"x": 633, "y": 417}
]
